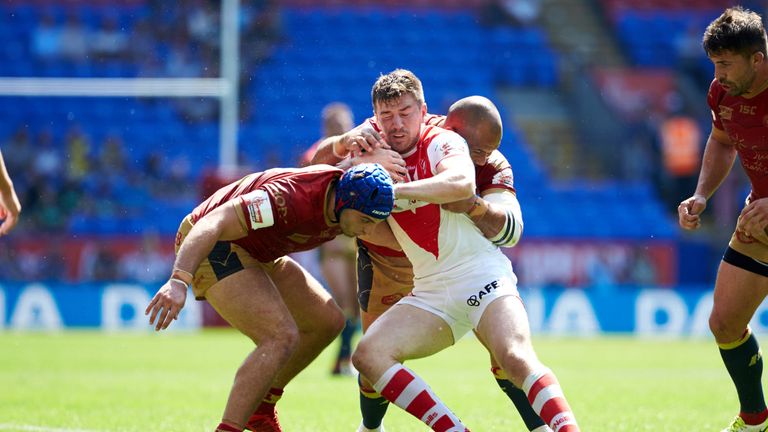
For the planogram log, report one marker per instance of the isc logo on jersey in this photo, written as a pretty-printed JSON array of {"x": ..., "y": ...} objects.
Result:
[{"x": 259, "y": 209}]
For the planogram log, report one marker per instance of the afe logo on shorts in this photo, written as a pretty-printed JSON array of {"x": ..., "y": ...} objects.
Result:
[{"x": 475, "y": 299}]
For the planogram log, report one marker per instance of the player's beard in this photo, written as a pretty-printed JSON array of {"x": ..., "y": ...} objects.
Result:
[
  {"x": 400, "y": 144},
  {"x": 736, "y": 89}
]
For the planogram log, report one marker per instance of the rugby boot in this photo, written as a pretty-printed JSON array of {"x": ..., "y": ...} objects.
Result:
[
  {"x": 264, "y": 421},
  {"x": 738, "y": 425}
]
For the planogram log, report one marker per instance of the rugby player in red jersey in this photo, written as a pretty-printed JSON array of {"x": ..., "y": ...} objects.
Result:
[
  {"x": 737, "y": 45},
  {"x": 231, "y": 250},
  {"x": 385, "y": 275}
]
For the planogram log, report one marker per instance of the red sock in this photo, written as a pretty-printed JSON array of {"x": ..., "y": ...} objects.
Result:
[
  {"x": 267, "y": 405},
  {"x": 265, "y": 413},
  {"x": 403, "y": 388},
  {"x": 754, "y": 418},
  {"x": 223, "y": 427},
  {"x": 547, "y": 399}
]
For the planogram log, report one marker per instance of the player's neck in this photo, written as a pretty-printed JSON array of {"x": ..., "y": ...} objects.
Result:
[{"x": 760, "y": 84}]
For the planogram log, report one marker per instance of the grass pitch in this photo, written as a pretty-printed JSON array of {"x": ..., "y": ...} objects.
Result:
[{"x": 96, "y": 382}]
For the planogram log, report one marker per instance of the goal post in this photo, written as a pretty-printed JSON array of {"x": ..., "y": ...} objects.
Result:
[{"x": 223, "y": 88}]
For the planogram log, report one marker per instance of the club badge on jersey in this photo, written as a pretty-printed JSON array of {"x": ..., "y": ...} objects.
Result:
[{"x": 259, "y": 209}]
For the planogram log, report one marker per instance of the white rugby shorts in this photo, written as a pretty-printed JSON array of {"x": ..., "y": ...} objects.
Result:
[{"x": 461, "y": 301}]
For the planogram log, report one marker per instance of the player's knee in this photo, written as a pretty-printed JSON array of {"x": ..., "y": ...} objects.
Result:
[
  {"x": 333, "y": 322},
  {"x": 363, "y": 355},
  {"x": 516, "y": 366},
  {"x": 723, "y": 329},
  {"x": 281, "y": 343}
]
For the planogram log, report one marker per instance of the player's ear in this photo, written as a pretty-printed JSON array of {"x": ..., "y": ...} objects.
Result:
[{"x": 758, "y": 58}]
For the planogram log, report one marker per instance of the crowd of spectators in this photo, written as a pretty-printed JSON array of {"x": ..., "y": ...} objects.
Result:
[{"x": 65, "y": 180}]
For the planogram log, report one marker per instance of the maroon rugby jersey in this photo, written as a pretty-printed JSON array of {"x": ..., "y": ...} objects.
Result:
[
  {"x": 297, "y": 197},
  {"x": 746, "y": 122},
  {"x": 495, "y": 174}
]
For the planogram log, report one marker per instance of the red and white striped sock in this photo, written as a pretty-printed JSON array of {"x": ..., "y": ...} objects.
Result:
[
  {"x": 547, "y": 399},
  {"x": 403, "y": 388}
]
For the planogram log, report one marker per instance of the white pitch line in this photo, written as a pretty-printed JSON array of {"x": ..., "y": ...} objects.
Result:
[{"x": 33, "y": 428}]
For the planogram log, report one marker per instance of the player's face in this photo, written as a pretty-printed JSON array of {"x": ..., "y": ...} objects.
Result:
[
  {"x": 735, "y": 72},
  {"x": 480, "y": 144},
  {"x": 354, "y": 223},
  {"x": 401, "y": 120},
  {"x": 481, "y": 151}
]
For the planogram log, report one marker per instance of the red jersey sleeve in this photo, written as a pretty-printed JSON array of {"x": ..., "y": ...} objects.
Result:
[
  {"x": 714, "y": 96},
  {"x": 495, "y": 174}
]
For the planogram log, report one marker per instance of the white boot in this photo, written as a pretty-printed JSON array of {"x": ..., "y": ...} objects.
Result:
[{"x": 365, "y": 429}]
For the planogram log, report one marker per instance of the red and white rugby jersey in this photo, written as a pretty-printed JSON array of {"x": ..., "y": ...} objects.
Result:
[
  {"x": 284, "y": 209},
  {"x": 438, "y": 243},
  {"x": 429, "y": 119},
  {"x": 746, "y": 122}
]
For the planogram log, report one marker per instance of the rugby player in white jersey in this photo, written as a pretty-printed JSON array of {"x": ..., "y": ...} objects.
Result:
[
  {"x": 384, "y": 275},
  {"x": 461, "y": 280}
]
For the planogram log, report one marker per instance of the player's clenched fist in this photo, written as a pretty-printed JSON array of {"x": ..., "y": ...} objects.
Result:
[{"x": 689, "y": 211}]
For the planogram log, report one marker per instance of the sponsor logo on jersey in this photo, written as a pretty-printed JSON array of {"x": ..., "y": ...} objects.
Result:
[
  {"x": 726, "y": 113},
  {"x": 475, "y": 299},
  {"x": 282, "y": 205},
  {"x": 747, "y": 109},
  {"x": 259, "y": 209}
]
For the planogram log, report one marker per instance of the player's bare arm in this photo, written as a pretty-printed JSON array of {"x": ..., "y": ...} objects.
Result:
[
  {"x": 9, "y": 202},
  {"x": 496, "y": 214},
  {"x": 334, "y": 149},
  {"x": 719, "y": 156},
  {"x": 454, "y": 181},
  {"x": 222, "y": 224}
]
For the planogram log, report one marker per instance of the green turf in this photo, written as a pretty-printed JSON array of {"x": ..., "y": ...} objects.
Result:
[{"x": 179, "y": 382}]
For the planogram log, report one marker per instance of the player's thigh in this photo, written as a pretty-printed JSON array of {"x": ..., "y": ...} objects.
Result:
[
  {"x": 738, "y": 293},
  {"x": 406, "y": 332},
  {"x": 305, "y": 297},
  {"x": 249, "y": 301},
  {"x": 504, "y": 328}
]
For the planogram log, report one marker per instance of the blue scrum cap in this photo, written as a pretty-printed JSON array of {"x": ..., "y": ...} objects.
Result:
[{"x": 366, "y": 188}]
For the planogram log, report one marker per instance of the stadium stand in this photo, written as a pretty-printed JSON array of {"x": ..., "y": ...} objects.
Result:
[{"x": 292, "y": 66}]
